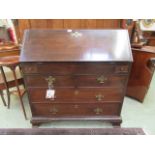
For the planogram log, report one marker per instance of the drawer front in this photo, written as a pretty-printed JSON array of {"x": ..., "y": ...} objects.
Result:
[
  {"x": 76, "y": 81},
  {"x": 70, "y": 95},
  {"x": 88, "y": 109},
  {"x": 74, "y": 68}
]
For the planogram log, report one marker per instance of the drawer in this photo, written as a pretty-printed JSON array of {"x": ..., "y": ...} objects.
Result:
[
  {"x": 76, "y": 81},
  {"x": 74, "y": 68},
  {"x": 88, "y": 109},
  {"x": 70, "y": 95}
]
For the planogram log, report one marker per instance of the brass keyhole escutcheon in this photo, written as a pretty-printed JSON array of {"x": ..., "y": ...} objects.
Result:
[
  {"x": 54, "y": 110},
  {"x": 76, "y": 92},
  {"x": 101, "y": 79},
  {"x": 76, "y": 34},
  {"x": 99, "y": 97},
  {"x": 50, "y": 80},
  {"x": 98, "y": 111},
  {"x": 76, "y": 106},
  {"x": 122, "y": 69}
]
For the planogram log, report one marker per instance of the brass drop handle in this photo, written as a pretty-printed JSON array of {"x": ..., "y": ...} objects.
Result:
[
  {"x": 50, "y": 81},
  {"x": 54, "y": 110},
  {"x": 98, "y": 111},
  {"x": 99, "y": 97},
  {"x": 101, "y": 79},
  {"x": 76, "y": 106}
]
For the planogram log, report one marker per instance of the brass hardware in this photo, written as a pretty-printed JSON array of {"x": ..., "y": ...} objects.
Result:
[
  {"x": 30, "y": 69},
  {"x": 76, "y": 34},
  {"x": 76, "y": 92},
  {"x": 101, "y": 79},
  {"x": 53, "y": 110},
  {"x": 98, "y": 111},
  {"x": 99, "y": 97},
  {"x": 122, "y": 69},
  {"x": 76, "y": 106},
  {"x": 50, "y": 81}
]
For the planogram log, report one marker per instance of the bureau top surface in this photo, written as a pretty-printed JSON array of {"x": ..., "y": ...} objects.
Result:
[{"x": 75, "y": 46}]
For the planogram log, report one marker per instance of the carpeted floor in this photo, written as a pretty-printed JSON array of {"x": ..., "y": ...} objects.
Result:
[{"x": 134, "y": 114}]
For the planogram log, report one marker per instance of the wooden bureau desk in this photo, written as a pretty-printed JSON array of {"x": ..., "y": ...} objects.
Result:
[{"x": 76, "y": 74}]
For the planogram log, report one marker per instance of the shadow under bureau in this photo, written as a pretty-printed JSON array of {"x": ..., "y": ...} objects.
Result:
[{"x": 76, "y": 74}]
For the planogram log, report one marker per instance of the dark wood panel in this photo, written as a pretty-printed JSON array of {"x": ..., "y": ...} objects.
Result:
[
  {"x": 77, "y": 46},
  {"x": 141, "y": 74},
  {"x": 77, "y": 95},
  {"x": 77, "y": 81},
  {"x": 75, "y": 68},
  {"x": 82, "y": 110},
  {"x": 151, "y": 42}
]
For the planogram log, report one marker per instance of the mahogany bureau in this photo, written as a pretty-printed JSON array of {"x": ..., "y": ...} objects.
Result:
[{"x": 76, "y": 74}]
